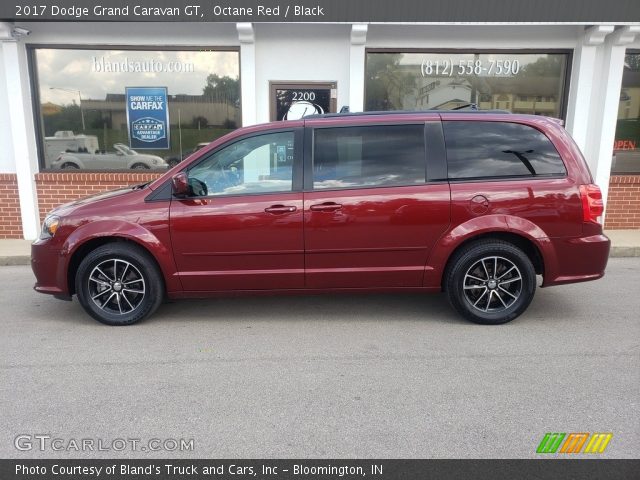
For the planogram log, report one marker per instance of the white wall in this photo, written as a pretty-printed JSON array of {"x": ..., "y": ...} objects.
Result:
[
  {"x": 301, "y": 52},
  {"x": 142, "y": 33},
  {"x": 7, "y": 162},
  {"x": 467, "y": 37}
]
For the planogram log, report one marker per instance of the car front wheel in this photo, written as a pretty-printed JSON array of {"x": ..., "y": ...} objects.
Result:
[
  {"x": 119, "y": 284},
  {"x": 490, "y": 282}
]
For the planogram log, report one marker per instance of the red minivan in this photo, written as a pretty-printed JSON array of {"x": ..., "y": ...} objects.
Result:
[{"x": 473, "y": 204}]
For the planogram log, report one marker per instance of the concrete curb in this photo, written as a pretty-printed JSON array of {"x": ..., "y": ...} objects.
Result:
[
  {"x": 624, "y": 252},
  {"x": 15, "y": 260},
  {"x": 616, "y": 252}
]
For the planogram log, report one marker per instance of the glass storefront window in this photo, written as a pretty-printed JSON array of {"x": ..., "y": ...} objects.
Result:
[
  {"x": 83, "y": 114},
  {"x": 531, "y": 83},
  {"x": 626, "y": 147}
]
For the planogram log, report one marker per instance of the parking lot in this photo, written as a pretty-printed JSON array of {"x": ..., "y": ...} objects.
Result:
[{"x": 378, "y": 376}]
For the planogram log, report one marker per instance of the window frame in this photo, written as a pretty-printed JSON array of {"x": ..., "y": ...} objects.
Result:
[
  {"x": 564, "y": 97},
  {"x": 309, "y": 152},
  {"x": 34, "y": 84}
]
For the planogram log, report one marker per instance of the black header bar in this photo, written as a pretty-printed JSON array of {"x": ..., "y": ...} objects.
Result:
[
  {"x": 159, "y": 469},
  {"x": 493, "y": 11}
]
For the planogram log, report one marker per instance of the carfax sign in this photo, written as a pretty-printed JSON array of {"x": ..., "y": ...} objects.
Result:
[{"x": 148, "y": 117}]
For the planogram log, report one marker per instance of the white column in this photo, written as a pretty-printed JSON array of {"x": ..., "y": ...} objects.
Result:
[
  {"x": 356, "y": 67},
  {"x": 582, "y": 77},
  {"x": 605, "y": 99},
  {"x": 22, "y": 134},
  {"x": 246, "y": 36}
]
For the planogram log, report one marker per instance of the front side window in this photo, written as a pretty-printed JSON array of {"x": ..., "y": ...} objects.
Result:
[
  {"x": 374, "y": 156},
  {"x": 260, "y": 164},
  {"x": 498, "y": 149}
]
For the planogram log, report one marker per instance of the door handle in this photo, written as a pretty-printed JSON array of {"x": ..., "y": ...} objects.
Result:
[
  {"x": 280, "y": 209},
  {"x": 326, "y": 207}
]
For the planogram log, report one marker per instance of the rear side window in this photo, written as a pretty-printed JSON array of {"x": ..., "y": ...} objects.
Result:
[
  {"x": 373, "y": 156},
  {"x": 498, "y": 149}
]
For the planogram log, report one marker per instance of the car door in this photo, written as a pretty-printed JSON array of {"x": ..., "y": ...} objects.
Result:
[
  {"x": 371, "y": 217},
  {"x": 241, "y": 229}
]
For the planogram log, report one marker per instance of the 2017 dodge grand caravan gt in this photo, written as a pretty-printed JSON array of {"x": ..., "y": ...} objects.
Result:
[{"x": 475, "y": 204}]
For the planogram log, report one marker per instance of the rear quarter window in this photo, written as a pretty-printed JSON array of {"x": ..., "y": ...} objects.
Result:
[{"x": 498, "y": 149}]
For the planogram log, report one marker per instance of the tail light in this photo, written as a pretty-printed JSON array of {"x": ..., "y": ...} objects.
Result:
[{"x": 592, "y": 204}]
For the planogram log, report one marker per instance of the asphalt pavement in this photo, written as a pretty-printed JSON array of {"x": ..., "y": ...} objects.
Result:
[{"x": 373, "y": 376}]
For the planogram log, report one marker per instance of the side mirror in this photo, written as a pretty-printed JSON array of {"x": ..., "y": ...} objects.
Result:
[{"x": 180, "y": 184}]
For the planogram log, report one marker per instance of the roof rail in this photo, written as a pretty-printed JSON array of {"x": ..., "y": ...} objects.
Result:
[{"x": 403, "y": 112}]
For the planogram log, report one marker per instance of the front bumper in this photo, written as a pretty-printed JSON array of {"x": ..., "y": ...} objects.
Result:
[{"x": 47, "y": 263}]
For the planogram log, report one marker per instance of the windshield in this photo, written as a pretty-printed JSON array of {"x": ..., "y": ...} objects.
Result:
[{"x": 121, "y": 147}]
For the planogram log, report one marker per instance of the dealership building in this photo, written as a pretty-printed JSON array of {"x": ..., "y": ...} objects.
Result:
[{"x": 65, "y": 123}]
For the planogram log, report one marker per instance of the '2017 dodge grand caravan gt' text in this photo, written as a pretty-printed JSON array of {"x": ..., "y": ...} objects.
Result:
[{"x": 475, "y": 204}]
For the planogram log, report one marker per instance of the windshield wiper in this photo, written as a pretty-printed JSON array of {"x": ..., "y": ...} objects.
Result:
[{"x": 140, "y": 186}]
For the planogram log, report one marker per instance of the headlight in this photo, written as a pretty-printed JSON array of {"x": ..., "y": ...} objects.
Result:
[{"x": 49, "y": 226}]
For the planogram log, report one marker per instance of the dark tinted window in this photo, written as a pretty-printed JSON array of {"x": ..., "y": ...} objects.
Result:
[
  {"x": 350, "y": 157},
  {"x": 498, "y": 149}
]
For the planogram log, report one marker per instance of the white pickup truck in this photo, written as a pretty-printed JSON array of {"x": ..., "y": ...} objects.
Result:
[{"x": 122, "y": 158}]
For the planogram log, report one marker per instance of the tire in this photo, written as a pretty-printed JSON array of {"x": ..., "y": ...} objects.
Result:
[
  {"x": 133, "y": 293},
  {"x": 482, "y": 296},
  {"x": 69, "y": 166},
  {"x": 139, "y": 166},
  {"x": 173, "y": 163}
]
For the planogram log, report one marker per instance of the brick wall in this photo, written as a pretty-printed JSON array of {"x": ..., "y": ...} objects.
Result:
[
  {"x": 623, "y": 204},
  {"x": 623, "y": 210},
  {"x": 57, "y": 188},
  {"x": 10, "y": 221}
]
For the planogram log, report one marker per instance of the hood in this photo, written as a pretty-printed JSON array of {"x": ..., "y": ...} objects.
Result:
[{"x": 71, "y": 206}]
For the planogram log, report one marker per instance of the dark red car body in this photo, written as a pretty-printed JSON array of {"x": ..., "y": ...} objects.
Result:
[{"x": 392, "y": 238}]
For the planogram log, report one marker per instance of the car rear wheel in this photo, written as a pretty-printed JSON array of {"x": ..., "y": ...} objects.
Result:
[
  {"x": 119, "y": 284},
  {"x": 490, "y": 282},
  {"x": 69, "y": 166}
]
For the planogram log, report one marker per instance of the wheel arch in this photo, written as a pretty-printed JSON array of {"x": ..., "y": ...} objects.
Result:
[
  {"x": 525, "y": 244},
  {"x": 73, "y": 160},
  {"x": 518, "y": 231},
  {"x": 144, "y": 165},
  {"x": 85, "y": 248},
  {"x": 94, "y": 235}
]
